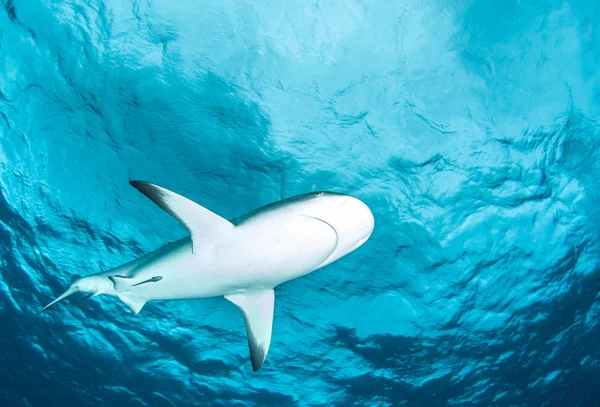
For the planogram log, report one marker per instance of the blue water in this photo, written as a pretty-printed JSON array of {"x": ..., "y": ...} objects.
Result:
[{"x": 471, "y": 128}]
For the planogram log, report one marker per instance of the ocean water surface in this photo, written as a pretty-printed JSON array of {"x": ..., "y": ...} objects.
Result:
[{"x": 469, "y": 127}]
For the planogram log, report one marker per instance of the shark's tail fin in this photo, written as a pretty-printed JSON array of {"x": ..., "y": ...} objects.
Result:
[{"x": 72, "y": 290}]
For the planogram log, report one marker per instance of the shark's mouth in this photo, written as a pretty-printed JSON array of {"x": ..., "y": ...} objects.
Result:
[
  {"x": 359, "y": 243},
  {"x": 337, "y": 241}
]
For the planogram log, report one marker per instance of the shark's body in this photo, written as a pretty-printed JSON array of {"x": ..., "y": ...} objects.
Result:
[{"x": 242, "y": 260}]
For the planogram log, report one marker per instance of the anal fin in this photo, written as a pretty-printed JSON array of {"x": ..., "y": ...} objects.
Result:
[
  {"x": 121, "y": 283},
  {"x": 257, "y": 307},
  {"x": 135, "y": 304}
]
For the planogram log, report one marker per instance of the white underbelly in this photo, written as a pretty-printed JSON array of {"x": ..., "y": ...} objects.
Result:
[
  {"x": 273, "y": 254},
  {"x": 258, "y": 255}
]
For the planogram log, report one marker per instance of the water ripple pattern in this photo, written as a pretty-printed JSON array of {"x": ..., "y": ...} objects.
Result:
[{"x": 469, "y": 127}]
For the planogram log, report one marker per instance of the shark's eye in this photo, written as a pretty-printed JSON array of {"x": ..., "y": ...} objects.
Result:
[{"x": 318, "y": 194}]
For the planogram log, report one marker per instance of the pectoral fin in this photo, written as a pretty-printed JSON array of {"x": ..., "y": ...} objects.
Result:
[
  {"x": 204, "y": 226},
  {"x": 257, "y": 308}
]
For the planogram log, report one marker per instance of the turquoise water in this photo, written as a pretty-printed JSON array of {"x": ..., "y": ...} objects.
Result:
[{"x": 470, "y": 128}]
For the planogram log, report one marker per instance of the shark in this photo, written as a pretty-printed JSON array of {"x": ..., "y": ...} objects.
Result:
[{"x": 242, "y": 260}]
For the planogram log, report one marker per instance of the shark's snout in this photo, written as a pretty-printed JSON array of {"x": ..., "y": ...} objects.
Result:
[
  {"x": 364, "y": 221},
  {"x": 352, "y": 220}
]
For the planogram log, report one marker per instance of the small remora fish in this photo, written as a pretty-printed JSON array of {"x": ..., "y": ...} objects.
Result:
[{"x": 150, "y": 280}]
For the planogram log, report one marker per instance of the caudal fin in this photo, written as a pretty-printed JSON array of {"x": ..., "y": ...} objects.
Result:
[{"x": 71, "y": 290}]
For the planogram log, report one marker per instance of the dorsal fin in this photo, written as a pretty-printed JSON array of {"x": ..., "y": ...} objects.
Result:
[
  {"x": 203, "y": 225},
  {"x": 257, "y": 307}
]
